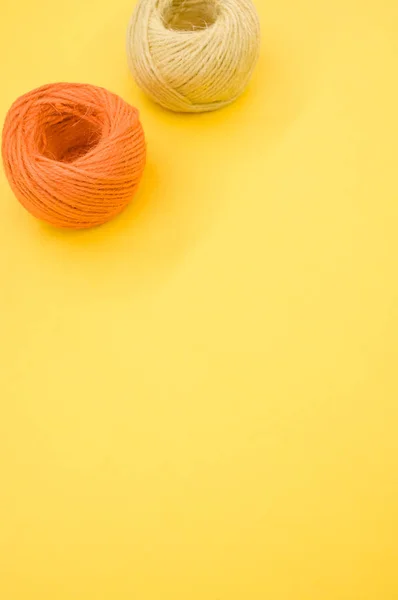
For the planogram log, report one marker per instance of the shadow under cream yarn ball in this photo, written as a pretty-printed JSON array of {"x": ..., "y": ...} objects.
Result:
[{"x": 193, "y": 55}]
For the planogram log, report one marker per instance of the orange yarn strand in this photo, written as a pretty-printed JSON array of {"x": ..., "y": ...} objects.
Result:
[{"x": 73, "y": 153}]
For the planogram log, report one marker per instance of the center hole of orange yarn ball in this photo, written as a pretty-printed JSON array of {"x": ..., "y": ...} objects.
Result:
[
  {"x": 190, "y": 15},
  {"x": 67, "y": 136}
]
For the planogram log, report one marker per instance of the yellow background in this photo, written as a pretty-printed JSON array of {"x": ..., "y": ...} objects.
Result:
[{"x": 199, "y": 401}]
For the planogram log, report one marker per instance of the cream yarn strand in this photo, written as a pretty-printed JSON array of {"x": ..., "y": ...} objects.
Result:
[{"x": 193, "y": 55}]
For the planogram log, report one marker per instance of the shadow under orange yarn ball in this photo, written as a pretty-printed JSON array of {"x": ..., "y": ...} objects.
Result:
[{"x": 73, "y": 153}]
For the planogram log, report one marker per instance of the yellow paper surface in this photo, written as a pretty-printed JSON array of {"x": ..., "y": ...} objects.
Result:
[{"x": 199, "y": 400}]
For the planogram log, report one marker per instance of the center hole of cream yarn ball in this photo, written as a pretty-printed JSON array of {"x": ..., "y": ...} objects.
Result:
[
  {"x": 189, "y": 15},
  {"x": 70, "y": 134}
]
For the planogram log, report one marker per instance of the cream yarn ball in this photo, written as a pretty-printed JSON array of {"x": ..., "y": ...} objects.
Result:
[{"x": 193, "y": 55}]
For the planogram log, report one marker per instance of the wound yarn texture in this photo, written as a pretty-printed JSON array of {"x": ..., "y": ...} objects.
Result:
[
  {"x": 73, "y": 153},
  {"x": 193, "y": 55}
]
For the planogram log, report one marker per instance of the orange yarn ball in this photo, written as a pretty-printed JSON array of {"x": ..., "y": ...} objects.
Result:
[{"x": 73, "y": 153}]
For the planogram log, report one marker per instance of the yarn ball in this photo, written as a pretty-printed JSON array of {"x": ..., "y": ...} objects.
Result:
[
  {"x": 193, "y": 55},
  {"x": 73, "y": 153}
]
